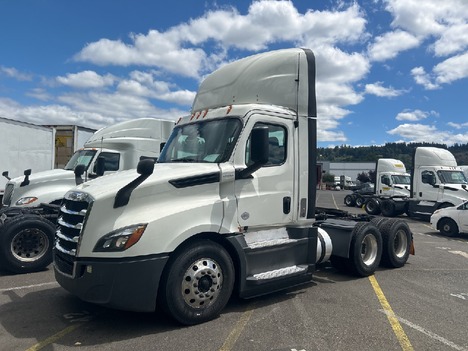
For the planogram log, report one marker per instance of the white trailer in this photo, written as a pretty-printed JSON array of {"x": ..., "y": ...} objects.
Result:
[
  {"x": 229, "y": 208},
  {"x": 24, "y": 146}
]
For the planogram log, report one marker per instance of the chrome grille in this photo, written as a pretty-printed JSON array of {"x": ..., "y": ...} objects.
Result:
[
  {"x": 72, "y": 216},
  {"x": 7, "y": 194}
]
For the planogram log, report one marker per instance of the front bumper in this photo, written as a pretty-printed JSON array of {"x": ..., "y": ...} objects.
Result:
[{"x": 130, "y": 284}]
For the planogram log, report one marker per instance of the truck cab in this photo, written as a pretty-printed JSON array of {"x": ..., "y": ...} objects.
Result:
[
  {"x": 437, "y": 181},
  {"x": 392, "y": 178},
  {"x": 119, "y": 147}
]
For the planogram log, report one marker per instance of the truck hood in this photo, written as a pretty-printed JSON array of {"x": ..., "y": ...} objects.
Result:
[
  {"x": 45, "y": 176},
  {"x": 163, "y": 173}
]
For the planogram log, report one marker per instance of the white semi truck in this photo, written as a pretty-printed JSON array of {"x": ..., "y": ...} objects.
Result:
[
  {"x": 436, "y": 182},
  {"x": 31, "y": 203},
  {"x": 228, "y": 208},
  {"x": 391, "y": 180}
]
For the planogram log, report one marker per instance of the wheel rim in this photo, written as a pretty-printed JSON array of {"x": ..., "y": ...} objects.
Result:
[
  {"x": 202, "y": 281},
  {"x": 29, "y": 245},
  {"x": 400, "y": 243},
  {"x": 369, "y": 248},
  {"x": 447, "y": 228}
]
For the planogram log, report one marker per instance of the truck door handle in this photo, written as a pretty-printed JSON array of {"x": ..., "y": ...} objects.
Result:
[{"x": 286, "y": 204}]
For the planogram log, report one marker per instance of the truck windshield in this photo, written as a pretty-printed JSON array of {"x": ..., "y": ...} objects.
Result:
[
  {"x": 401, "y": 179},
  {"x": 81, "y": 157},
  {"x": 209, "y": 141},
  {"x": 452, "y": 177}
]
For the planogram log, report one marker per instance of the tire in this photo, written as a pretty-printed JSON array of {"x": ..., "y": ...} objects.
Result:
[
  {"x": 365, "y": 250},
  {"x": 387, "y": 208},
  {"x": 191, "y": 295},
  {"x": 359, "y": 201},
  {"x": 349, "y": 201},
  {"x": 448, "y": 227},
  {"x": 372, "y": 207},
  {"x": 26, "y": 244},
  {"x": 396, "y": 239}
]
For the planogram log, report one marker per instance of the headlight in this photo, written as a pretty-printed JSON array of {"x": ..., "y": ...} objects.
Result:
[
  {"x": 120, "y": 239},
  {"x": 25, "y": 201}
]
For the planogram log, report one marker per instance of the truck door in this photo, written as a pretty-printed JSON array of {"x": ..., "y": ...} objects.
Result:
[
  {"x": 427, "y": 188},
  {"x": 266, "y": 198}
]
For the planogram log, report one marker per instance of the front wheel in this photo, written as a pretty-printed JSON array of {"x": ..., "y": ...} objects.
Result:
[
  {"x": 26, "y": 244},
  {"x": 448, "y": 227},
  {"x": 197, "y": 283}
]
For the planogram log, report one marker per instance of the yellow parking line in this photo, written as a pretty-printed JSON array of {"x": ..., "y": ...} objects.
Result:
[
  {"x": 236, "y": 332},
  {"x": 40, "y": 345},
  {"x": 396, "y": 326}
]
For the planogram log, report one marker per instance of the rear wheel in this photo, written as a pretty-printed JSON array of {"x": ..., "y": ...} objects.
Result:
[
  {"x": 359, "y": 201},
  {"x": 26, "y": 244},
  {"x": 448, "y": 227},
  {"x": 372, "y": 207},
  {"x": 349, "y": 201},
  {"x": 396, "y": 238},
  {"x": 365, "y": 250},
  {"x": 197, "y": 283}
]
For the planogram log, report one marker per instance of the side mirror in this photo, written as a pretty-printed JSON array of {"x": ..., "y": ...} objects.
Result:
[
  {"x": 5, "y": 174},
  {"x": 161, "y": 146},
  {"x": 25, "y": 182},
  {"x": 259, "y": 151},
  {"x": 145, "y": 167},
  {"x": 259, "y": 146},
  {"x": 100, "y": 166},
  {"x": 79, "y": 170}
]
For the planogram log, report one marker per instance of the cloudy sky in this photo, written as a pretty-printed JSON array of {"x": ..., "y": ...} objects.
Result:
[{"x": 387, "y": 70}]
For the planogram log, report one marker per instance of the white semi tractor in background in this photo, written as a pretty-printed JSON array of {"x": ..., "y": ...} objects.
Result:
[
  {"x": 391, "y": 180},
  {"x": 436, "y": 182},
  {"x": 31, "y": 203},
  {"x": 228, "y": 208}
]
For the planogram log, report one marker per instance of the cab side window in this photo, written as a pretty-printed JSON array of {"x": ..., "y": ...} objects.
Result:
[
  {"x": 277, "y": 140},
  {"x": 428, "y": 177},
  {"x": 111, "y": 161}
]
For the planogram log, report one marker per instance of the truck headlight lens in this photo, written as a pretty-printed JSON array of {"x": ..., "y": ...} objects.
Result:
[
  {"x": 25, "y": 201},
  {"x": 120, "y": 239}
]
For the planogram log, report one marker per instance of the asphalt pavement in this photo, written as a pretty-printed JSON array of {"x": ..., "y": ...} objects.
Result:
[{"x": 421, "y": 306}]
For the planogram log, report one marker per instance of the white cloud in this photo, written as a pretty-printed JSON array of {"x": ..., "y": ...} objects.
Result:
[
  {"x": 390, "y": 44},
  {"x": 14, "y": 73},
  {"x": 458, "y": 125},
  {"x": 379, "y": 90},
  {"x": 425, "y": 133},
  {"x": 266, "y": 22},
  {"x": 86, "y": 80},
  {"x": 415, "y": 115},
  {"x": 448, "y": 71}
]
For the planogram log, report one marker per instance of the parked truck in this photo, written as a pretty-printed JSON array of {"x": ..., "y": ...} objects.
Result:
[
  {"x": 391, "y": 181},
  {"x": 24, "y": 145},
  {"x": 31, "y": 203},
  {"x": 229, "y": 207},
  {"x": 436, "y": 182}
]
